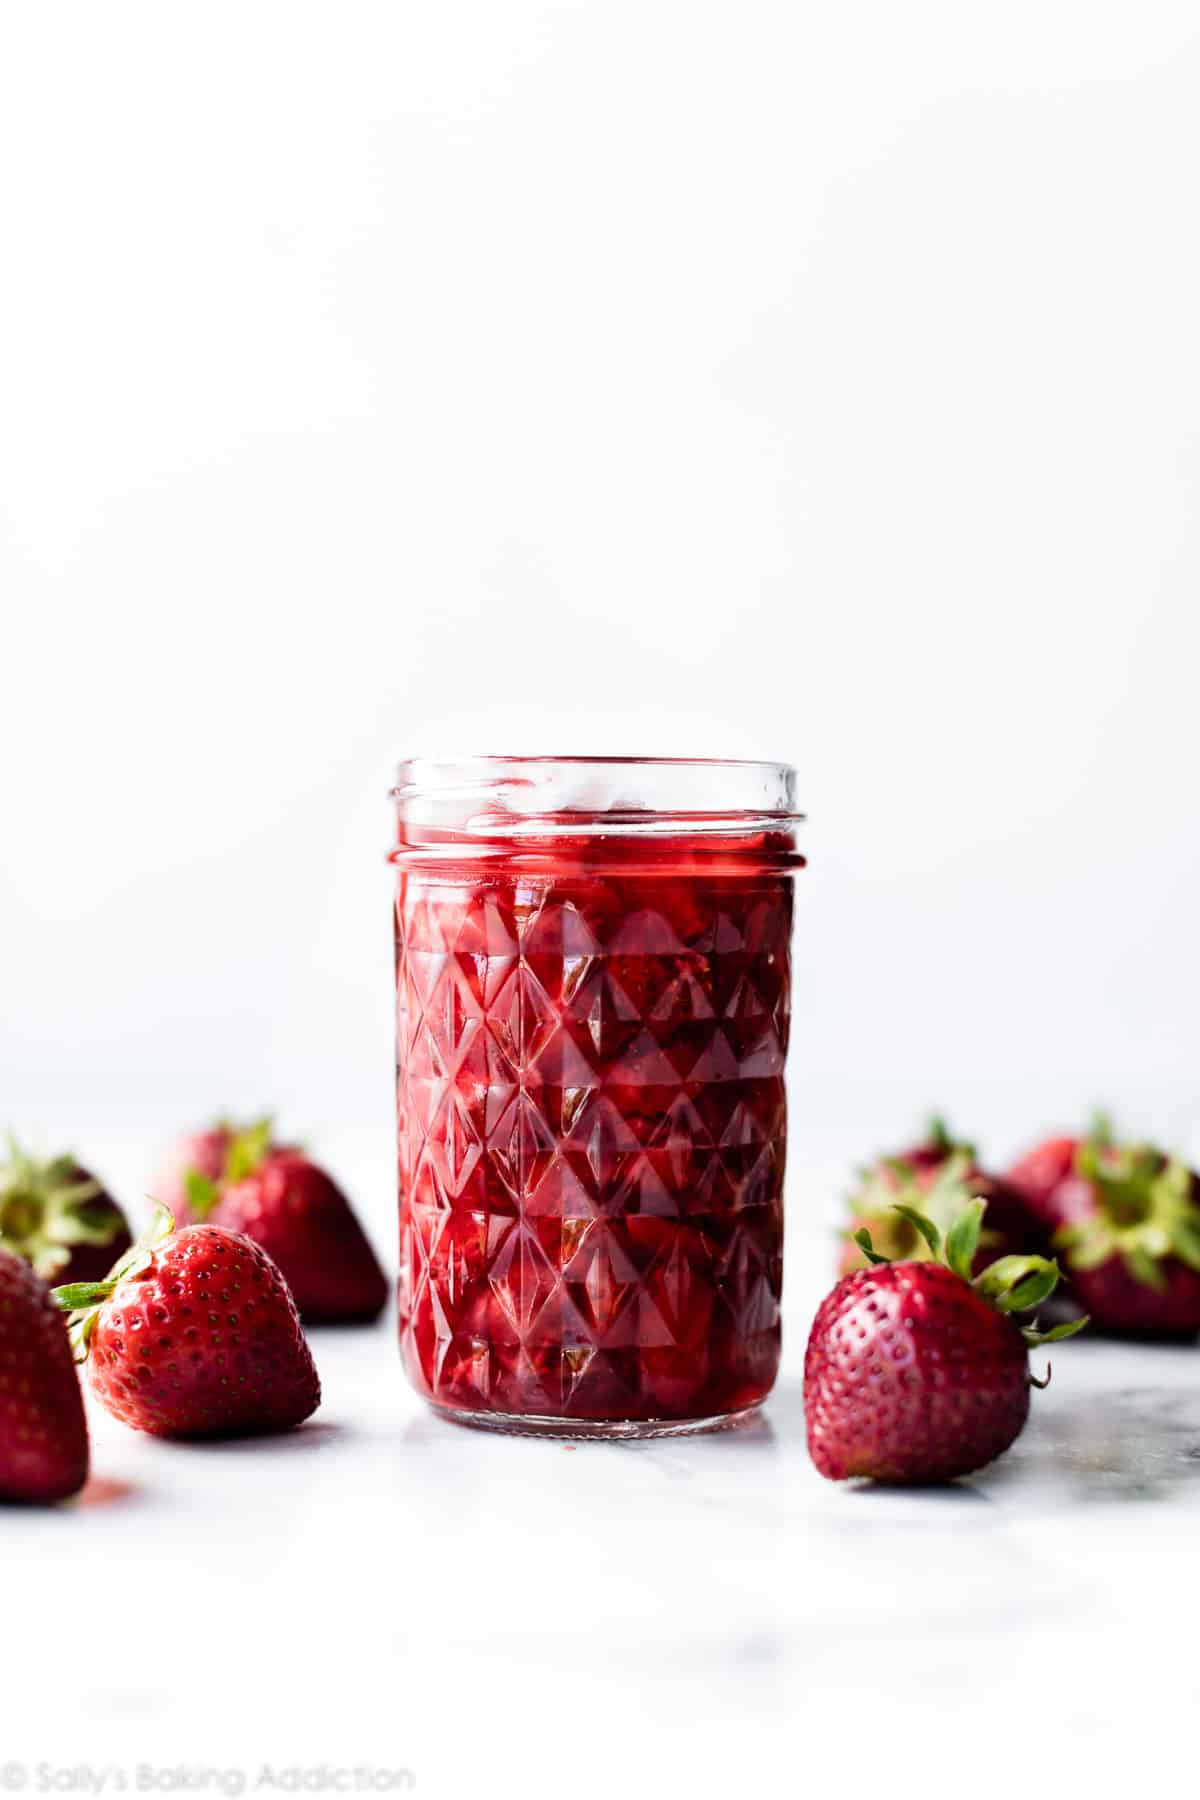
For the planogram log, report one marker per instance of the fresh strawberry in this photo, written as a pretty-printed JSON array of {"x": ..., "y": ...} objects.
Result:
[
  {"x": 1127, "y": 1218},
  {"x": 1038, "y": 1174},
  {"x": 917, "y": 1372},
  {"x": 304, "y": 1222},
  {"x": 58, "y": 1217},
  {"x": 936, "y": 1148},
  {"x": 43, "y": 1433},
  {"x": 194, "y": 1334},
  {"x": 930, "y": 1176},
  {"x": 203, "y": 1153}
]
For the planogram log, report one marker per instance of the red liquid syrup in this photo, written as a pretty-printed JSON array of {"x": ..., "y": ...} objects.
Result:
[{"x": 591, "y": 1041}]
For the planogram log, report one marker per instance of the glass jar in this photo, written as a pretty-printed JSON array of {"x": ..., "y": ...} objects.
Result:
[{"x": 592, "y": 1003}]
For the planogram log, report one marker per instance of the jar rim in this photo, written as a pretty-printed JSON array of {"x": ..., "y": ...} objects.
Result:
[
  {"x": 425, "y": 774},
  {"x": 519, "y": 799}
]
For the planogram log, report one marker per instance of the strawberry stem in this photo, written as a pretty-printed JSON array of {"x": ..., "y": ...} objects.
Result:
[
  {"x": 863, "y": 1240},
  {"x": 1017, "y": 1283},
  {"x": 248, "y": 1149},
  {"x": 48, "y": 1209},
  {"x": 77, "y": 1294},
  {"x": 1145, "y": 1211},
  {"x": 1011, "y": 1284},
  {"x": 83, "y": 1299},
  {"x": 202, "y": 1194},
  {"x": 962, "y": 1239},
  {"x": 926, "y": 1227},
  {"x": 939, "y": 1137}
]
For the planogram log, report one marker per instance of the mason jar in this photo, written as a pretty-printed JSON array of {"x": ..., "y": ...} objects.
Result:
[{"x": 592, "y": 1009}]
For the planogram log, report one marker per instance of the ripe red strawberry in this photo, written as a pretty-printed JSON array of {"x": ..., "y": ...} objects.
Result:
[
  {"x": 1041, "y": 1171},
  {"x": 1127, "y": 1218},
  {"x": 304, "y": 1222},
  {"x": 43, "y": 1432},
  {"x": 194, "y": 1334},
  {"x": 935, "y": 1176},
  {"x": 58, "y": 1217},
  {"x": 914, "y": 1371},
  {"x": 202, "y": 1153}
]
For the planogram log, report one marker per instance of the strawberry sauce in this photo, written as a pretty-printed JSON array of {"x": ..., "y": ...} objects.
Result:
[{"x": 592, "y": 1125}]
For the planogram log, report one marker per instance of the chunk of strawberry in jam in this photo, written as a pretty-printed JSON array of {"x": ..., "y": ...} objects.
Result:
[{"x": 592, "y": 1134}]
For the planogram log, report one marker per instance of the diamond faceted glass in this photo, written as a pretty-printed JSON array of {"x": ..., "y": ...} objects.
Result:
[{"x": 592, "y": 1140}]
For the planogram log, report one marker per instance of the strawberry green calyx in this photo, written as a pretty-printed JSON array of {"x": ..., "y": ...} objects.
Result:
[
  {"x": 248, "y": 1146},
  {"x": 940, "y": 1138},
  {"x": 202, "y": 1194},
  {"x": 1012, "y": 1284},
  {"x": 48, "y": 1209},
  {"x": 893, "y": 1192},
  {"x": 83, "y": 1299},
  {"x": 1103, "y": 1132},
  {"x": 1145, "y": 1212}
]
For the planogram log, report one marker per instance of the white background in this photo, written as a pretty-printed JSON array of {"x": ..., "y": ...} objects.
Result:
[{"x": 811, "y": 382}]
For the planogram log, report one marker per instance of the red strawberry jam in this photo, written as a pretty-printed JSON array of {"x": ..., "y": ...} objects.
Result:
[{"x": 591, "y": 1037}]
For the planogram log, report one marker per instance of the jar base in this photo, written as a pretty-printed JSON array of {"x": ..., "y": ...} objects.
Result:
[{"x": 538, "y": 1425}]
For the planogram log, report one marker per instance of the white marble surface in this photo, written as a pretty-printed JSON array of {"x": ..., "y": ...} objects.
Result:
[{"x": 695, "y": 1617}]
